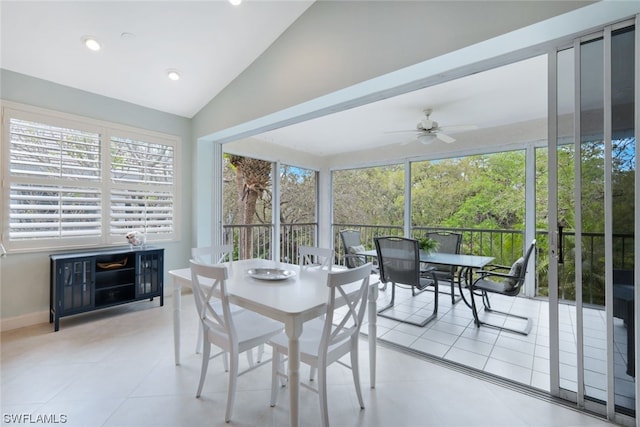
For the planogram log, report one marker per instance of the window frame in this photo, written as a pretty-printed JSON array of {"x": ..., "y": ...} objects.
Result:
[{"x": 105, "y": 184}]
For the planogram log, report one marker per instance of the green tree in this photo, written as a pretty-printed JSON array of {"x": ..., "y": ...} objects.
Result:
[
  {"x": 370, "y": 196},
  {"x": 253, "y": 181},
  {"x": 298, "y": 195}
]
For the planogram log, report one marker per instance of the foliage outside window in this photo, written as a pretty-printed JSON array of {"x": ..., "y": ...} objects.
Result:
[
  {"x": 75, "y": 182},
  {"x": 298, "y": 207},
  {"x": 483, "y": 191},
  {"x": 247, "y": 207},
  {"x": 480, "y": 196},
  {"x": 369, "y": 196}
]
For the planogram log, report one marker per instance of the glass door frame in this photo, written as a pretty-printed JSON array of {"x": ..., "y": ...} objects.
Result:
[{"x": 578, "y": 397}]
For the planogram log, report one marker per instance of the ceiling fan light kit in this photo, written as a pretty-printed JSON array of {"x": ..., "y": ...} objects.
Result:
[
  {"x": 426, "y": 138},
  {"x": 427, "y": 124},
  {"x": 429, "y": 130}
]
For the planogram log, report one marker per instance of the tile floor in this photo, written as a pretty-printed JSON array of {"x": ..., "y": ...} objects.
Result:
[
  {"x": 524, "y": 359},
  {"x": 115, "y": 368}
]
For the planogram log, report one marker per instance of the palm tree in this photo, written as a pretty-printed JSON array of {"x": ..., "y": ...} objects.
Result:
[{"x": 253, "y": 178}]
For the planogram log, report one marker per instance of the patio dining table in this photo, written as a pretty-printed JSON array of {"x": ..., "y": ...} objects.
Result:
[
  {"x": 466, "y": 264},
  {"x": 293, "y": 301}
]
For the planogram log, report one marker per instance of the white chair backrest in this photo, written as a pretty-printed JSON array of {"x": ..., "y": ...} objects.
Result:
[
  {"x": 209, "y": 283},
  {"x": 216, "y": 254},
  {"x": 341, "y": 283},
  {"x": 313, "y": 257}
]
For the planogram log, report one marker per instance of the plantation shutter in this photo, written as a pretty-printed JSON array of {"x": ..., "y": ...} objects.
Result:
[
  {"x": 54, "y": 189},
  {"x": 69, "y": 181},
  {"x": 142, "y": 175}
]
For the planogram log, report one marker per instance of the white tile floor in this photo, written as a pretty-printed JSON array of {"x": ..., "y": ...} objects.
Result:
[
  {"x": 454, "y": 337},
  {"x": 115, "y": 368}
]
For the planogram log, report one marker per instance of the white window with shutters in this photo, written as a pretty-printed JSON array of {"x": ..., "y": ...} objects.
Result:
[
  {"x": 142, "y": 193},
  {"x": 69, "y": 181}
]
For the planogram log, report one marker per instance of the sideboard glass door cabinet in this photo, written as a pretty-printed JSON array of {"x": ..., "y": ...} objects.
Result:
[{"x": 86, "y": 281}]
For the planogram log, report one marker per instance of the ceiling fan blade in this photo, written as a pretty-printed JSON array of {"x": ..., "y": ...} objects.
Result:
[
  {"x": 404, "y": 131},
  {"x": 458, "y": 128},
  {"x": 445, "y": 138}
]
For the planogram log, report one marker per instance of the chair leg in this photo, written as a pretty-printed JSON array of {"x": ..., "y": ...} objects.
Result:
[
  {"x": 275, "y": 365},
  {"x": 322, "y": 392},
  {"x": 250, "y": 357},
  {"x": 453, "y": 292},
  {"x": 485, "y": 301},
  {"x": 436, "y": 298},
  {"x": 488, "y": 309},
  {"x": 284, "y": 377},
  {"x": 312, "y": 373},
  {"x": 414, "y": 293},
  {"x": 199, "y": 340},
  {"x": 474, "y": 308},
  {"x": 355, "y": 370},
  {"x": 206, "y": 354},
  {"x": 233, "y": 380},
  {"x": 260, "y": 352},
  {"x": 225, "y": 361},
  {"x": 393, "y": 298},
  {"x": 381, "y": 312}
]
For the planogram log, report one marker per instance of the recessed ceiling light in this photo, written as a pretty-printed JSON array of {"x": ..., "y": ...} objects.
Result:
[
  {"x": 91, "y": 43},
  {"x": 235, "y": 2},
  {"x": 173, "y": 74}
]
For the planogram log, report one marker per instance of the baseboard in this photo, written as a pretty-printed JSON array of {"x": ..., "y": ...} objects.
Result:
[
  {"x": 43, "y": 316},
  {"x": 24, "y": 320}
]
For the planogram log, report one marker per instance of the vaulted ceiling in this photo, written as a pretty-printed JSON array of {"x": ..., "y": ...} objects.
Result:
[{"x": 211, "y": 43}]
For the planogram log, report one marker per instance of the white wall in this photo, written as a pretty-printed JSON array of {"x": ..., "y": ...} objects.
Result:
[{"x": 336, "y": 44}]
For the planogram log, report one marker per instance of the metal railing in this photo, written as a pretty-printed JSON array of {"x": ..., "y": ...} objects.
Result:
[
  {"x": 593, "y": 264},
  {"x": 255, "y": 241},
  {"x": 249, "y": 241},
  {"x": 504, "y": 245},
  {"x": 293, "y": 236}
]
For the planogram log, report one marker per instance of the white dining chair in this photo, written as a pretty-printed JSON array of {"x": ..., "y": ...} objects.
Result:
[
  {"x": 314, "y": 257},
  {"x": 325, "y": 341},
  {"x": 234, "y": 333},
  {"x": 217, "y": 254}
]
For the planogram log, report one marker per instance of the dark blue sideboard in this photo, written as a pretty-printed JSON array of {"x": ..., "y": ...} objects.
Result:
[{"x": 87, "y": 281}]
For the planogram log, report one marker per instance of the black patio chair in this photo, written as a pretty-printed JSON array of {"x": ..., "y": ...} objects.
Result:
[
  {"x": 448, "y": 243},
  {"x": 492, "y": 280},
  {"x": 399, "y": 263},
  {"x": 352, "y": 245}
]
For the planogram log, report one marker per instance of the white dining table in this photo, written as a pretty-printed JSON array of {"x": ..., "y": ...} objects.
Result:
[{"x": 292, "y": 301}]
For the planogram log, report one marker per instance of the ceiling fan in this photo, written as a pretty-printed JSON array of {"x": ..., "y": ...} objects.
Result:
[{"x": 429, "y": 130}]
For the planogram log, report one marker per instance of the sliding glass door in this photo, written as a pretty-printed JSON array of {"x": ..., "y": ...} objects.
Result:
[{"x": 592, "y": 219}]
